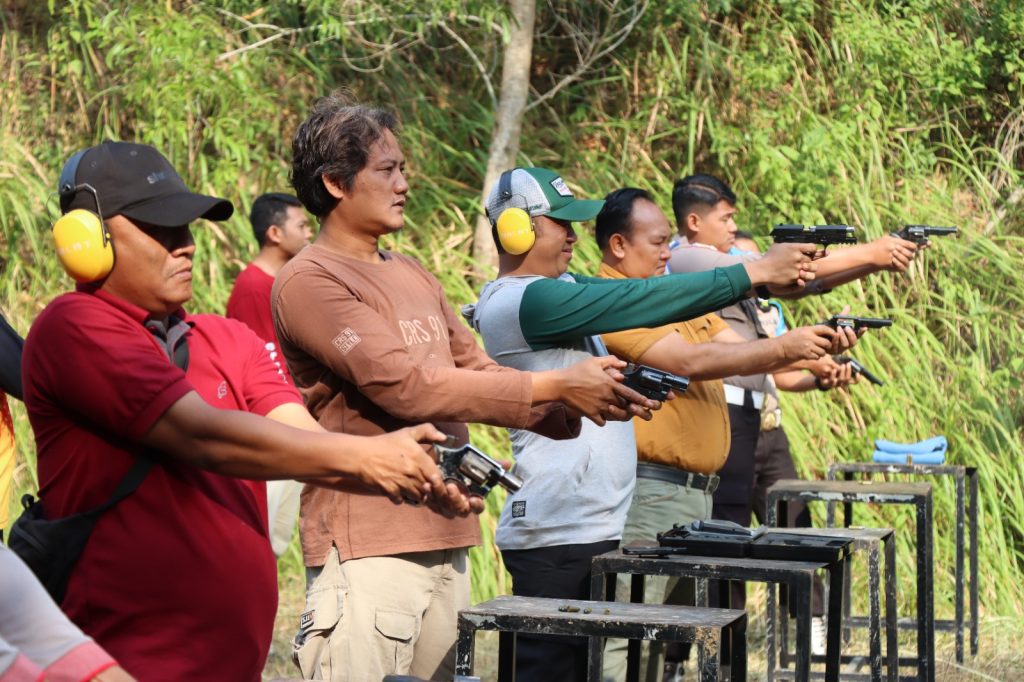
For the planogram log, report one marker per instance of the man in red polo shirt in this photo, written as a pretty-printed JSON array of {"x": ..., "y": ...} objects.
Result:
[
  {"x": 178, "y": 581},
  {"x": 281, "y": 229}
]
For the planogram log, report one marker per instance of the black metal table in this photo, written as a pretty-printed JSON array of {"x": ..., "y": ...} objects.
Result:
[
  {"x": 868, "y": 541},
  {"x": 966, "y": 510},
  {"x": 849, "y": 492},
  {"x": 702, "y": 627},
  {"x": 796, "y": 575}
]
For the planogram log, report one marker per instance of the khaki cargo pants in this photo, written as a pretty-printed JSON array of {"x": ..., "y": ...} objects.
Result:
[{"x": 367, "y": 618}]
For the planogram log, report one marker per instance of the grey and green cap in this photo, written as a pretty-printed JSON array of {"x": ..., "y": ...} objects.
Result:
[{"x": 539, "y": 191}]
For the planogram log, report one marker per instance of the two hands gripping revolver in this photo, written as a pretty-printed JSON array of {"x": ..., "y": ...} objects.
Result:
[{"x": 479, "y": 473}]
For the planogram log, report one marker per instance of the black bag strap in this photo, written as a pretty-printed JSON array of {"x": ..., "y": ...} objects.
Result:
[
  {"x": 132, "y": 480},
  {"x": 173, "y": 337}
]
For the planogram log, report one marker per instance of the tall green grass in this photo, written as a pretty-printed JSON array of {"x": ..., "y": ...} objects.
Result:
[{"x": 874, "y": 114}]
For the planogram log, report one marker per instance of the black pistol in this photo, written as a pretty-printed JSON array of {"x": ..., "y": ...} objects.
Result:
[
  {"x": 857, "y": 323},
  {"x": 654, "y": 383},
  {"x": 814, "y": 234},
  {"x": 919, "y": 234},
  {"x": 478, "y": 472},
  {"x": 858, "y": 369}
]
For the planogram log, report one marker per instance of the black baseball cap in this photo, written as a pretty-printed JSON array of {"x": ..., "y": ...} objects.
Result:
[{"x": 136, "y": 181}]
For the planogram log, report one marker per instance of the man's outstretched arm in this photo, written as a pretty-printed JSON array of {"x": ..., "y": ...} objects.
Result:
[
  {"x": 245, "y": 445},
  {"x": 727, "y": 354},
  {"x": 844, "y": 265}
]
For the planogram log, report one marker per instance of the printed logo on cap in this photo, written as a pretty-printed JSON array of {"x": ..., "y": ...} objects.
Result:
[{"x": 558, "y": 184}]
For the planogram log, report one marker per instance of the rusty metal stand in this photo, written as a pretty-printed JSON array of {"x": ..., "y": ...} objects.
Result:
[
  {"x": 849, "y": 492},
  {"x": 866, "y": 540},
  {"x": 966, "y": 514},
  {"x": 795, "y": 575},
  {"x": 703, "y": 627}
]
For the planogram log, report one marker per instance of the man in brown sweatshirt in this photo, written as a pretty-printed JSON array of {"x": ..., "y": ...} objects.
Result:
[{"x": 373, "y": 345}]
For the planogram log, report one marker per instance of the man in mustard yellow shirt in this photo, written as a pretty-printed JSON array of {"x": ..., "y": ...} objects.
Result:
[{"x": 682, "y": 448}]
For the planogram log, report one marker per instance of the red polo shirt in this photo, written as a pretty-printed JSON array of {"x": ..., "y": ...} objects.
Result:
[
  {"x": 178, "y": 581},
  {"x": 250, "y": 301}
]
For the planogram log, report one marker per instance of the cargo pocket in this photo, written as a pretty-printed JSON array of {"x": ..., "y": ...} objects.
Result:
[
  {"x": 398, "y": 635},
  {"x": 311, "y": 647}
]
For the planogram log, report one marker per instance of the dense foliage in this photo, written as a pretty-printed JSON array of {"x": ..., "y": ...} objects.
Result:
[{"x": 871, "y": 113}]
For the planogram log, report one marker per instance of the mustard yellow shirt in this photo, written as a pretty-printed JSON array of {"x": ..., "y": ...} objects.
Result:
[
  {"x": 690, "y": 433},
  {"x": 6, "y": 460}
]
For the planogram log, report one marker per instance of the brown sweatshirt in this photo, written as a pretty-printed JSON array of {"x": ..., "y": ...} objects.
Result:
[{"x": 375, "y": 347}]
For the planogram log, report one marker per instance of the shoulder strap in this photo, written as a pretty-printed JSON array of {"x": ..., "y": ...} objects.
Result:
[
  {"x": 749, "y": 309},
  {"x": 132, "y": 480}
]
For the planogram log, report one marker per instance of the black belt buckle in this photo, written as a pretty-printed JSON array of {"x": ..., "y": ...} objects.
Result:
[
  {"x": 710, "y": 484},
  {"x": 687, "y": 479}
]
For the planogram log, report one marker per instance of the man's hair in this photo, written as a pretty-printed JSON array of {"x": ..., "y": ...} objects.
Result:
[
  {"x": 270, "y": 209},
  {"x": 698, "y": 193},
  {"x": 334, "y": 141},
  {"x": 616, "y": 217}
]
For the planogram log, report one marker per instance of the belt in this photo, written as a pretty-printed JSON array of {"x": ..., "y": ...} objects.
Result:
[
  {"x": 743, "y": 397},
  {"x": 687, "y": 479}
]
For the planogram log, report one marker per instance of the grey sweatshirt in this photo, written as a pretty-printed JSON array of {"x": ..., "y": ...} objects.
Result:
[{"x": 574, "y": 491}]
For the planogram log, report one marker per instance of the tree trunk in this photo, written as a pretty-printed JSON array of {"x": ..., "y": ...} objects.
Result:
[{"x": 508, "y": 123}]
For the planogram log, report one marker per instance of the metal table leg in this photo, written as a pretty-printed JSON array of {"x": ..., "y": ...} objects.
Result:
[
  {"x": 782, "y": 629},
  {"x": 708, "y": 647},
  {"x": 959, "y": 571},
  {"x": 973, "y": 521},
  {"x": 702, "y": 600},
  {"x": 464, "y": 649},
  {"x": 892, "y": 653},
  {"x": 602, "y": 588},
  {"x": 636, "y": 595},
  {"x": 506, "y": 656},
  {"x": 801, "y": 590},
  {"x": 925, "y": 598},
  {"x": 874, "y": 613},
  {"x": 738, "y": 666},
  {"x": 833, "y": 651}
]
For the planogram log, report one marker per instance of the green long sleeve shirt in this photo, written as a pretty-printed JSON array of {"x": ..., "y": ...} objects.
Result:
[{"x": 556, "y": 311}]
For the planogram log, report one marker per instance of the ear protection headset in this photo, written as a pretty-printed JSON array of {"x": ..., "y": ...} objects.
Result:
[
  {"x": 514, "y": 225},
  {"x": 83, "y": 243}
]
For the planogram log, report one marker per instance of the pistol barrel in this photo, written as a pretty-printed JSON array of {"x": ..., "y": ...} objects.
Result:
[
  {"x": 858, "y": 369},
  {"x": 814, "y": 234}
]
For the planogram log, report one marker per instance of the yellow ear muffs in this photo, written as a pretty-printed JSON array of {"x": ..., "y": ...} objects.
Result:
[
  {"x": 82, "y": 240},
  {"x": 514, "y": 228},
  {"x": 83, "y": 245},
  {"x": 515, "y": 231}
]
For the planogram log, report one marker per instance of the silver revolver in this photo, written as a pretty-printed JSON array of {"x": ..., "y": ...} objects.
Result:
[{"x": 478, "y": 472}]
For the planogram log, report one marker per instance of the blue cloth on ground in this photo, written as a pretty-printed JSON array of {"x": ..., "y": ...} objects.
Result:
[{"x": 928, "y": 451}]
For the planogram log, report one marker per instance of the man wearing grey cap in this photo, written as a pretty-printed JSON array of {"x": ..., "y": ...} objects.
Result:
[
  {"x": 177, "y": 579},
  {"x": 535, "y": 316}
]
